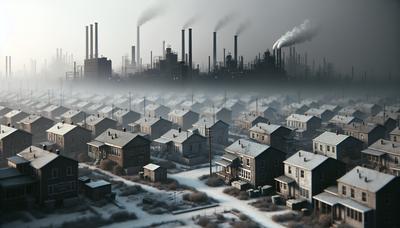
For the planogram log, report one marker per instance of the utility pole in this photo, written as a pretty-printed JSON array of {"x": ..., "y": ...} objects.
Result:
[{"x": 209, "y": 152}]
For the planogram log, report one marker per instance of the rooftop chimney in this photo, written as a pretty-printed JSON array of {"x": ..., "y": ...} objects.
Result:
[
  {"x": 96, "y": 40},
  {"x": 91, "y": 41},
  {"x": 190, "y": 48},
  {"x": 183, "y": 45},
  {"x": 215, "y": 50}
]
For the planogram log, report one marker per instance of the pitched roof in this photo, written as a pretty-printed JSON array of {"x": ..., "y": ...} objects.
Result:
[
  {"x": 61, "y": 128},
  {"x": 306, "y": 160},
  {"x": 386, "y": 146},
  {"x": 265, "y": 128},
  {"x": 208, "y": 122},
  {"x": 116, "y": 138},
  {"x": 300, "y": 118},
  {"x": 151, "y": 166},
  {"x": 38, "y": 157},
  {"x": 6, "y": 131},
  {"x": 366, "y": 179},
  {"x": 176, "y": 136},
  {"x": 247, "y": 147},
  {"x": 331, "y": 138},
  {"x": 342, "y": 119}
]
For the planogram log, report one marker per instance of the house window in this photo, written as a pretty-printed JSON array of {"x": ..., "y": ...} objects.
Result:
[
  {"x": 328, "y": 148},
  {"x": 396, "y": 160},
  {"x": 359, "y": 216},
  {"x": 248, "y": 162},
  {"x": 54, "y": 172},
  {"x": 395, "y": 138},
  {"x": 69, "y": 171},
  {"x": 352, "y": 193},
  {"x": 344, "y": 190},
  {"x": 364, "y": 196},
  {"x": 320, "y": 147},
  {"x": 302, "y": 173},
  {"x": 252, "y": 135},
  {"x": 289, "y": 170},
  {"x": 333, "y": 149},
  {"x": 315, "y": 146},
  {"x": 262, "y": 138}
]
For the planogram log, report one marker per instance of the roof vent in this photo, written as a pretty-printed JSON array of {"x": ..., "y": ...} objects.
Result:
[
  {"x": 109, "y": 133},
  {"x": 299, "y": 154},
  {"x": 382, "y": 141},
  {"x": 365, "y": 179},
  {"x": 115, "y": 135},
  {"x": 305, "y": 159}
]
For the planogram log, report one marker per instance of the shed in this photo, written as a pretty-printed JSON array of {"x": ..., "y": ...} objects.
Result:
[{"x": 154, "y": 172}]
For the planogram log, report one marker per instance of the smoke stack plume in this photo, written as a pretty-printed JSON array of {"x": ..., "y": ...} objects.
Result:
[
  {"x": 223, "y": 22},
  {"x": 96, "y": 40},
  {"x": 214, "y": 50},
  {"x": 190, "y": 49},
  {"x": 191, "y": 21},
  {"x": 183, "y": 45},
  {"x": 150, "y": 14},
  {"x": 243, "y": 27},
  {"x": 299, "y": 34},
  {"x": 91, "y": 41}
]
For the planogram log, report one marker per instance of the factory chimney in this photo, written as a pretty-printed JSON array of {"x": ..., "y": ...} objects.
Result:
[
  {"x": 9, "y": 66},
  {"x": 235, "y": 50},
  {"x": 138, "y": 46},
  {"x": 87, "y": 43},
  {"x": 6, "y": 66},
  {"x": 96, "y": 40},
  {"x": 190, "y": 49},
  {"x": 215, "y": 50},
  {"x": 183, "y": 45},
  {"x": 224, "y": 58},
  {"x": 163, "y": 49},
  {"x": 91, "y": 41},
  {"x": 133, "y": 60}
]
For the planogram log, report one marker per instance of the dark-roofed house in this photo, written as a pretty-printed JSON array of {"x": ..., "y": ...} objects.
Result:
[
  {"x": 54, "y": 112},
  {"x": 255, "y": 163},
  {"x": 308, "y": 174},
  {"x": 274, "y": 135},
  {"x": 323, "y": 114},
  {"x": 157, "y": 110},
  {"x": 370, "y": 109},
  {"x": 183, "y": 118},
  {"x": 221, "y": 113},
  {"x": 362, "y": 198},
  {"x": 248, "y": 120},
  {"x": 351, "y": 111},
  {"x": 154, "y": 127},
  {"x": 37, "y": 126},
  {"x": 185, "y": 147},
  {"x": 129, "y": 150},
  {"x": 125, "y": 117},
  {"x": 69, "y": 139},
  {"x": 13, "y": 117},
  {"x": 219, "y": 130},
  {"x": 368, "y": 133},
  {"x": 108, "y": 111},
  {"x": 383, "y": 155},
  {"x": 97, "y": 124},
  {"x": 342, "y": 147},
  {"x": 4, "y": 110},
  {"x": 12, "y": 141},
  {"x": 264, "y": 111},
  {"x": 388, "y": 122}
]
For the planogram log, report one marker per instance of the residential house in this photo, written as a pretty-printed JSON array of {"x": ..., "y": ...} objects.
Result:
[
  {"x": 13, "y": 117},
  {"x": 236, "y": 106},
  {"x": 12, "y": 141},
  {"x": 333, "y": 108},
  {"x": 252, "y": 162},
  {"x": 129, "y": 150},
  {"x": 125, "y": 117},
  {"x": 157, "y": 110},
  {"x": 324, "y": 114},
  {"x": 185, "y": 147},
  {"x": 108, "y": 111},
  {"x": 248, "y": 120},
  {"x": 153, "y": 127},
  {"x": 303, "y": 125},
  {"x": 368, "y": 133},
  {"x": 37, "y": 126},
  {"x": 395, "y": 135},
  {"x": 183, "y": 118},
  {"x": 98, "y": 124},
  {"x": 219, "y": 130},
  {"x": 307, "y": 174},
  {"x": 192, "y": 105},
  {"x": 369, "y": 109},
  {"x": 276, "y": 136},
  {"x": 350, "y": 111},
  {"x": 362, "y": 198},
  {"x": 54, "y": 112},
  {"x": 69, "y": 140},
  {"x": 221, "y": 113},
  {"x": 73, "y": 116},
  {"x": 383, "y": 155}
]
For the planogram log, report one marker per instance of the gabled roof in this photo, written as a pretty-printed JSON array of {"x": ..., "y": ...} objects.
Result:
[
  {"x": 176, "y": 136},
  {"x": 151, "y": 166},
  {"x": 396, "y": 131},
  {"x": 331, "y": 138},
  {"x": 6, "y": 131},
  {"x": 208, "y": 122},
  {"x": 361, "y": 127},
  {"x": 265, "y": 128},
  {"x": 94, "y": 120},
  {"x": 124, "y": 112},
  {"x": 300, "y": 118},
  {"x": 342, "y": 119},
  {"x": 180, "y": 112},
  {"x": 247, "y": 147},
  {"x": 61, "y": 128},
  {"x": 71, "y": 113},
  {"x": 306, "y": 160},
  {"x": 38, "y": 157},
  {"x": 386, "y": 146},
  {"x": 14, "y": 113},
  {"x": 366, "y": 179},
  {"x": 117, "y": 138},
  {"x": 31, "y": 119},
  {"x": 149, "y": 121}
]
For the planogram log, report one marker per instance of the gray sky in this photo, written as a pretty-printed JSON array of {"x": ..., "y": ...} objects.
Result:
[{"x": 365, "y": 33}]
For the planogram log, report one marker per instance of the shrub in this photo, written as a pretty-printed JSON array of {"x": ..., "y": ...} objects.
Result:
[
  {"x": 118, "y": 170},
  {"x": 324, "y": 220},
  {"x": 203, "y": 221},
  {"x": 245, "y": 224},
  {"x": 214, "y": 181},
  {"x": 121, "y": 216},
  {"x": 290, "y": 216},
  {"x": 196, "y": 197},
  {"x": 106, "y": 164},
  {"x": 243, "y": 195},
  {"x": 83, "y": 157},
  {"x": 131, "y": 190}
]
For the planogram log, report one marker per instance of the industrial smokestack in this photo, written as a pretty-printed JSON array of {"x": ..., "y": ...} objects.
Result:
[
  {"x": 215, "y": 50},
  {"x": 9, "y": 66},
  {"x": 183, "y": 45},
  {"x": 138, "y": 46},
  {"x": 190, "y": 48},
  {"x": 163, "y": 49},
  {"x": 133, "y": 60},
  {"x": 96, "y": 40},
  {"x": 224, "y": 58},
  {"x": 87, "y": 42},
  {"x": 151, "y": 59},
  {"x": 91, "y": 41},
  {"x": 74, "y": 69},
  {"x": 6, "y": 66},
  {"x": 235, "y": 50}
]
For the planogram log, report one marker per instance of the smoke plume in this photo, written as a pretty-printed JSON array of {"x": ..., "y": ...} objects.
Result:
[
  {"x": 223, "y": 22},
  {"x": 243, "y": 27},
  {"x": 150, "y": 13},
  {"x": 191, "y": 21},
  {"x": 299, "y": 34}
]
